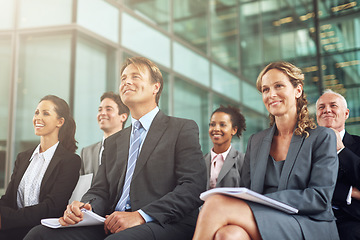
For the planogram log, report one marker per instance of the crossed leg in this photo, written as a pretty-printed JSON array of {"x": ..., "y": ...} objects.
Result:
[{"x": 227, "y": 218}]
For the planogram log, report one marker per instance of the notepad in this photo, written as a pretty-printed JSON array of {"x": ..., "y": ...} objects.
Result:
[
  {"x": 249, "y": 195},
  {"x": 90, "y": 219}
]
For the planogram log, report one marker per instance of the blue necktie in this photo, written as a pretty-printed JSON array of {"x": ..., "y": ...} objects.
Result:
[{"x": 133, "y": 155}]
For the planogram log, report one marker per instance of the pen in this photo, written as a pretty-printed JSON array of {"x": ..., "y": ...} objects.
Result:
[{"x": 87, "y": 202}]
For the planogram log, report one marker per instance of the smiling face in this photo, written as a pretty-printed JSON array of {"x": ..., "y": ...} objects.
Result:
[
  {"x": 109, "y": 119},
  {"x": 221, "y": 131},
  {"x": 279, "y": 95},
  {"x": 137, "y": 89},
  {"x": 46, "y": 121},
  {"x": 331, "y": 111}
]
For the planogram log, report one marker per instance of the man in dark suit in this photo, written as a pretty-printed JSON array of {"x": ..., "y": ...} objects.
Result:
[
  {"x": 157, "y": 195},
  {"x": 332, "y": 112},
  {"x": 111, "y": 117}
]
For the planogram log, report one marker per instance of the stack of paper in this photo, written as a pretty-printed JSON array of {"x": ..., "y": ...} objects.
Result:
[
  {"x": 90, "y": 219},
  {"x": 249, "y": 195}
]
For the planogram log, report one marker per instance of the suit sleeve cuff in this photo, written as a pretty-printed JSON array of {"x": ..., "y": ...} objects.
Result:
[{"x": 146, "y": 217}]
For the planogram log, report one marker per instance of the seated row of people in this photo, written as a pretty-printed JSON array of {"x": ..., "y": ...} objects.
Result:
[{"x": 152, "y": 173}]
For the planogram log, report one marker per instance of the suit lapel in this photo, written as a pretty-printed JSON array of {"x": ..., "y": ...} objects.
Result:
[
  {"x": 55, "y": 160},
  {"x": 122, "y": 152},
  {"x": 349, "y": 141},
  {"x": 96, "y": 154},
  {"x": 261, "y": 161},
  {"x": 294, "y": 148},
  {"x": 157, "y": 129},
  {"x": 228, "y": 164},
  {"x": 207, "y": 159}
]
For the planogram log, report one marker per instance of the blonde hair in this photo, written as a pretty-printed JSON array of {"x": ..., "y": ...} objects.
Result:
[
  {"x": 296, "y": 78},
  {"x": 156, "y": 76}
]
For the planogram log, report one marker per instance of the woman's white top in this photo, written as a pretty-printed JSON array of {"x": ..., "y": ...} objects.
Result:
[{"x": 29, "y": 188}]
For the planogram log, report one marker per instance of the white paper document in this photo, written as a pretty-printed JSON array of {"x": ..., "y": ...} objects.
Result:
[
  {"x": 81, "y": 187},
  {"x": 249, "y": 195},
  {"x": 90, "y": 219}
]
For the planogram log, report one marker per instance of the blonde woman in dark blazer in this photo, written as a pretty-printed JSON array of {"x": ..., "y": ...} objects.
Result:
[
  {"x": 224, "y": 162},
  {"x": 43, "y": 178},
  {"x": 292, "y": 162}
]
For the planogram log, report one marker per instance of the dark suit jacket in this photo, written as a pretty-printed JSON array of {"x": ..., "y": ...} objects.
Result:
[
  {"x": 349, "y": 175},
  {"x": 56, "y": 188},
  {"x": 169, "y": 176},
  {"x": 307, "y": 179},
  {"x": 229, "y": 175},
  {"x": 90, "y": 159}
]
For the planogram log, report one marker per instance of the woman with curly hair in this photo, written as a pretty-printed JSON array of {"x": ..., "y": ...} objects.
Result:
[
  {"x": 293, "y": 162},
  {"x": 224, "y": 162},
  {"x": 45, "y": 176}
]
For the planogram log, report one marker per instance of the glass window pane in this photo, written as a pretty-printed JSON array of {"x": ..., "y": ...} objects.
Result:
[
  {"x": 5, "y": 74},
  {"x": 190, "y": 22},
  {"x": 250, "y": 39},
  {"x": 44, "y": 69},
  {"x": 337, "y": 8},
  {"x": 91, "y": 81},
  {"x": 270, "y": 15},
  {"x": 145, "y": 40},
  {"x": 224, "y": 33},
  {"x": 225, "y": 83},
  {"x": 191, "y": 103},
  {"x": 164, "y": 98},
  {"x": 191, "y": 64},
  {"x": 305, "y": 45},
  {"x": 254, "y": 123},
  {"x": 38, "y": 13},
  {"x": 340, "y": 36},
  {"x": 156, "y": 11},
  {"x": 252, "y": 98},
  {"x": 288, "y": 45},
  {"x": 99, "y": 17},
  {"x": 352, "y": 96},
  {"x": 7, "y": 14}
]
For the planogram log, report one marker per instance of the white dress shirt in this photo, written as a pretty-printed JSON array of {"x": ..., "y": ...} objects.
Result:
[
  {"x": 101, "y": 150},
  {"x": 348, "y": 198},
  {"x": 29, "y": 188}
]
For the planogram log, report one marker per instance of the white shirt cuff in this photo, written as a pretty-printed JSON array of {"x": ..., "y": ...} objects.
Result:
[
  {"x": 340, "y": 150},
  {"x": 146, "y": 217},
  {"x": 348, "y": 198}
]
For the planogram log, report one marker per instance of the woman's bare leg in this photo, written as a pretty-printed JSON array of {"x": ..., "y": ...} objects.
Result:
[
  {"x": 231, "y": 232},
  {"x": 219, "y": 211}
]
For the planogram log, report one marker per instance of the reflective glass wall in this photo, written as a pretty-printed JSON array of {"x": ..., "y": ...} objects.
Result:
[{"x": 209, "y": 51}]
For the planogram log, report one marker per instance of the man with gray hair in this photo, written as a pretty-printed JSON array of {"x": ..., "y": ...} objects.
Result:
[{"x": 332, "y": 112}]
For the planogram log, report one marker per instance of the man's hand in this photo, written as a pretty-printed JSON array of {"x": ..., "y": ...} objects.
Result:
[
  {"x": 339, "y": 143},
  {"x": 73, "y": 214},
  {"x": 119, "y": 221},
  {"x": 355, "y": 193}
]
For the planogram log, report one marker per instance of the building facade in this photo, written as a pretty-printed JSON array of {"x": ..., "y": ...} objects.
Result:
[{"x": 209, "y": 51}]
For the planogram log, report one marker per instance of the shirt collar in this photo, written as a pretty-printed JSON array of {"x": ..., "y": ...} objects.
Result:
[
  {"x": 147, "y": 119},
  {"x": 342, "y": 134},
  {"x": 224, "y": 154},
  {"x": 48, "y": 154}
]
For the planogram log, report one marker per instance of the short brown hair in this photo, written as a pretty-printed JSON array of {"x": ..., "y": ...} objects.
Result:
[{"x": 155, "y": 73}]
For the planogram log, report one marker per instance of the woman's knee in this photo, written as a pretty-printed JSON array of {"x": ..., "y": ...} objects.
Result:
[{"x": 231, "y": 232}]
